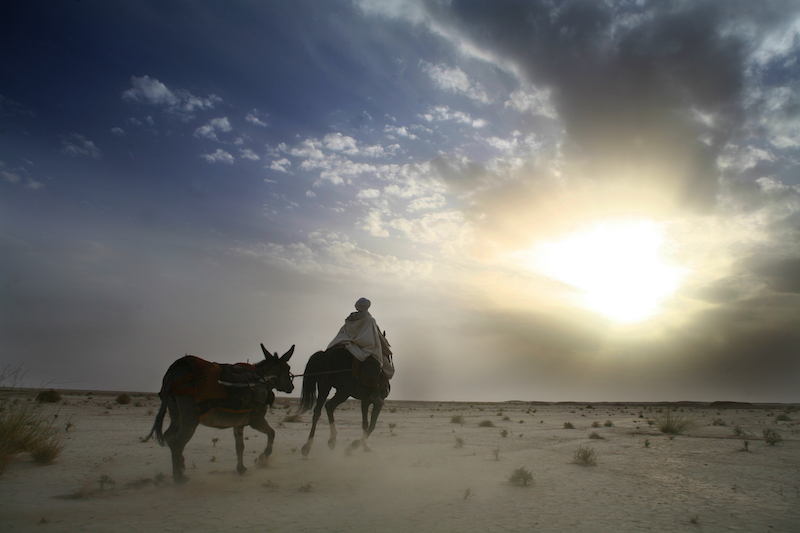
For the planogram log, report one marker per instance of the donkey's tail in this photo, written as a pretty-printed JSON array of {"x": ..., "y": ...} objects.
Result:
[{"x": 159, "y": 421}]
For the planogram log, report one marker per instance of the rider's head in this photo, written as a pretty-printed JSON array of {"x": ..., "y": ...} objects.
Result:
[{"x": 363, "y": 304}]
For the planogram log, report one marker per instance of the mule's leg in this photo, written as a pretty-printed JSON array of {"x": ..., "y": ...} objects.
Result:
[
  {"x": 368, "y": 429},
  {"x": 238, "y": 435},
  {"x": 330, "y": 407},
  {"x": 183, "y": 423},
  {"x": 260, "y": 424},
  {"x": 322, "y": 395}
]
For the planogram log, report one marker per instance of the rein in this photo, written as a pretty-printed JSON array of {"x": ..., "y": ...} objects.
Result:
[{"x": 320, "y": 373}]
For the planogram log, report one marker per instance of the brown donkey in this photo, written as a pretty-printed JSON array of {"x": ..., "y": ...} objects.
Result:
[{"x": 221, "y": 396}]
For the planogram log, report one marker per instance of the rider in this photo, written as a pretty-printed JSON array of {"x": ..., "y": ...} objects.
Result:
[{"x": 362, "y": 338}]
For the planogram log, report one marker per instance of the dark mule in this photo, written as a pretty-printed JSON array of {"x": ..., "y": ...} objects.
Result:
[
  {"x": 333, "y": 369},
  {"x": 196, "y": 392}
]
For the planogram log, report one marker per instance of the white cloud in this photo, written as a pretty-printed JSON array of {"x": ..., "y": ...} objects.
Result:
[
  {"x": 247, "y": 153},
  {"x": 373, "y": 223},
  {"x": 280, "y": 165},
  {"x": 209, "y": 131},
  {"x": 537, "y": 102},
  {"x": 444, "y": 113},
  {"x": 77, "y": 145},
  {"x": 401, "y": 131},
  {"x": 368, "y": 194},
  {"x": 150, "y": 91},
  {"x": 455, "y": 80},
  {"x": 10, "y": 177},
  {"x": 118, "y": 131},
  {"x": 252, "y": 118},
  {"x": 220, "y": 156}
]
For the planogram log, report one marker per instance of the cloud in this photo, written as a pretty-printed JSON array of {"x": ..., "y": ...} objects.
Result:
[
  {"x": 441, "y": 113},
  {"x": 77, "y": 145},
  {"x": 537, "y": 102},
  {"x": 280, "y": 165},
  {"x": 209, "y": 131},
  {"x": 247, "y": 153},
  {"x": 150, "y": 91},
  {"x": 220, "y": 156},
  {"x": 400, "y": 131},
  {"x": 253, "y": 118},
  {"x": 455, "y": 80}
]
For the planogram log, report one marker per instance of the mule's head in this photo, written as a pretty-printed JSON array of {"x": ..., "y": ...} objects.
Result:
[{"x": 276, "y": 369}]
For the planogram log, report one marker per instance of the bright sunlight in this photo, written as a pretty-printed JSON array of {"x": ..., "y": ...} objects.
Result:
[{"x": 618, "y": 267}]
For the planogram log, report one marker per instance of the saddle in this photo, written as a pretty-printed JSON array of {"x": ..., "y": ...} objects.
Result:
[{"x": 243, "y": 388}]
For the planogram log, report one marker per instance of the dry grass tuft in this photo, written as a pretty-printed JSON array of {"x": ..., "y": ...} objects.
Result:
[{"x": 585, "y": 456}]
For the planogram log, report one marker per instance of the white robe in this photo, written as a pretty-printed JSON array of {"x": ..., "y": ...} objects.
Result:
[{"x": 362, "y": 338}]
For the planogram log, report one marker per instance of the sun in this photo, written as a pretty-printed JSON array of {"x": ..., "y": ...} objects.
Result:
[{"x": 618, "y": 268}]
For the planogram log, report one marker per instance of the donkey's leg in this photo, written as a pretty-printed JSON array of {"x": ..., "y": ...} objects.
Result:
[
  {"x": 322, "y": 395},
  {"x": 183, "y": 423},
  {"x": 260, "y": 424},
  {"x": 330, "y": 407},
  {"x": 238, "y": 435}
]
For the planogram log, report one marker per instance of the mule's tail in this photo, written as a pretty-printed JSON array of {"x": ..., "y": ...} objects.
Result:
[
  {"x": 159, "y": 421},
  {"x": 309, "y": 395}
]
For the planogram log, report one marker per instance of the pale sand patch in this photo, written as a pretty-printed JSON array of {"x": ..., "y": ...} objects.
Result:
[{"x": 415, "y": 479}]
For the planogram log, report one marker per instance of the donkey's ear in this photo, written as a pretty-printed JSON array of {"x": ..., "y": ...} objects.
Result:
[
  {"x": 267, "y": 355},
  {"x": 285, "y": 357}
]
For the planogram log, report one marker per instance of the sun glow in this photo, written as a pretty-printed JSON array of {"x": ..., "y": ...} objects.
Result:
[{"x": 617, "y": 267}]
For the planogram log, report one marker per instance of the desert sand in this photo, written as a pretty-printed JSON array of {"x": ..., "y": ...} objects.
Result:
[{"x": 416, "y": 478}]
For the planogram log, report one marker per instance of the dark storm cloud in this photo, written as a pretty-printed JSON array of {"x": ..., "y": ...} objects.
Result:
[{"x": 629, "y": 82}]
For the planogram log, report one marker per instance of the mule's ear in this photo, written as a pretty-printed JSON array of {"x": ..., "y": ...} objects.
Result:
[
  {"x": 285, "y": 357},
  {"x": 267, "y": 355}
]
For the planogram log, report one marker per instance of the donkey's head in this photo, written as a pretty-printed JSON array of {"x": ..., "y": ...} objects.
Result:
[{"x": 276, "y": 369}]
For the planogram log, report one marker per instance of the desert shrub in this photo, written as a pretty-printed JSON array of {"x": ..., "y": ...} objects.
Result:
[
  {"x": 585, "y": 456},
  {"x": 772, "y": 437},
  {"x": 48, "y": 396},
  {"x": 594, "y": 435},
  {"x": 459, "y": 442},
  {"x": 504, "y": 433},
  {"x": 521, "y": 476},
  {"x": 568, "y": 425},
  {"x": 782, "y": 418},
  {"x": 718, "y": 422},
  {"x": 595, "y": 424},
  {"x": 486, "y": 424},
  {"x": 608, "y": 423},
  {"x": 745, "y": 446},
  {"x": 671, "y": 422},
  {"x": 456, "y": 419},
  {"x": 293, "y": 418},
  {"x": 738, "y": 431},
  {"x": 123, "y": 399},
  {"x": 24, "y": 427}
]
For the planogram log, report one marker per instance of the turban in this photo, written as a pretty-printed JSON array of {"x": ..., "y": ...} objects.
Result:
[{"x": 363, "y": 304}]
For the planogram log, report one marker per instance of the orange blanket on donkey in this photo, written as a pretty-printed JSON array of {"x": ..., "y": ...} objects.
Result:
[{"x": 204, "y": 384}]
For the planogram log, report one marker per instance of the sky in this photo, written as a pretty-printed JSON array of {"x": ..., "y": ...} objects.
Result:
[{"x": 544, "y": 200}]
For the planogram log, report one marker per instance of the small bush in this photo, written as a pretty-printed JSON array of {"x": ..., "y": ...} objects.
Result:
[
  {"x": 594, "y": 435},
  {"x": 521, "y": 476},
  {"x": 456, "y": 419},
  {"x": 595, "y": 424},
  {"x": 671, "y": 422},
  {"x": 738, "y": 431},
  {"x": 504, "y": 433},
  {"x": 48, "y": 396},
  {"x": 608, "y": 423},
  {"x": 772, "y": 437},
  {"x": 568, "y": 425},
  {"x": 783, "y": 418},
  {"x": 293, "y": 418},
  {"x": 459, "y": 442},
  {"x": 46, "y": 451},
  {"x": 123, "y": 399},
  {"x": 585, "y": 456},
  {"x": 486, "y": 424}
]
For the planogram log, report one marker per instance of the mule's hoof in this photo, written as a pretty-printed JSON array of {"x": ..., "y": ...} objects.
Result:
[
  {"x": 355, "y": 444},
  {"x": 180, "y": 480},
  {"x": 366, "y": 448},
  {"x": 305, "y": 450},
  {"x": 332, "y": 444},
  {"x": 241, "y": 470},
  {"x": 262, "y": 461}
]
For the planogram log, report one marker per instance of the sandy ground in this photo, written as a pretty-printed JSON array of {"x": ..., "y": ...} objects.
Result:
[{"x": 416, "y": 478}]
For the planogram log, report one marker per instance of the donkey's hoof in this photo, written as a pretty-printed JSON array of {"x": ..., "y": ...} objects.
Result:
[
  {"x": 180, "y": 480},
  {"x": 241, "y": 470},
  {"x": 332, "y": 444},
  {"x": 262, "y": 461},
  {"x": 305, "y": 450},
  {"x": 366, "y": 448},
  {"x": 355, "y": 444}
]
